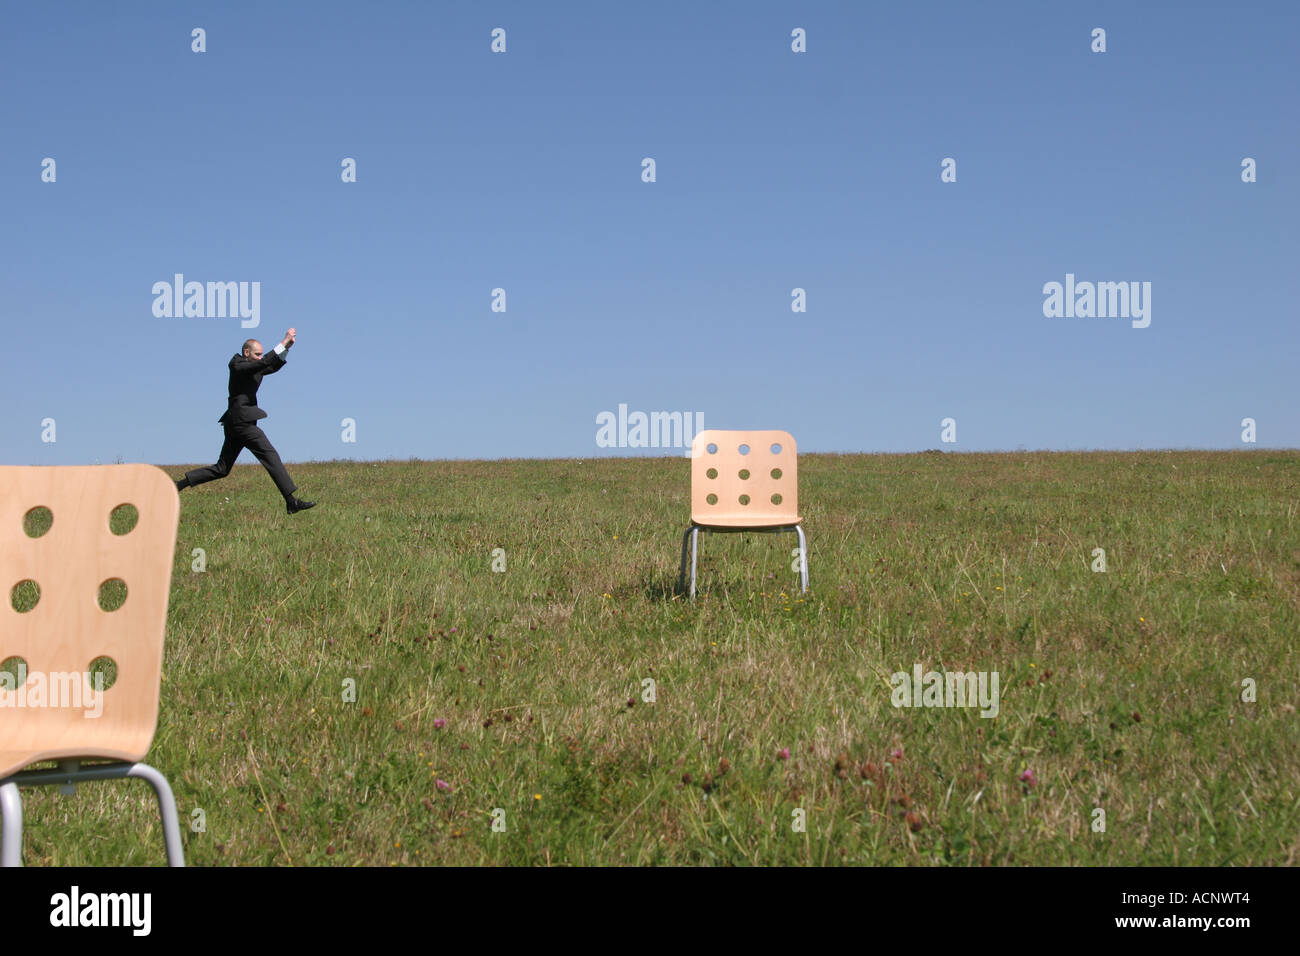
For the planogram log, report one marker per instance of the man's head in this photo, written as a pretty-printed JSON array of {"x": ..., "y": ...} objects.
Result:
[{"x": 253, "y": 349}]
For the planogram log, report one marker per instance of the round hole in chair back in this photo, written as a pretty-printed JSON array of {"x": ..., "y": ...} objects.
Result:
[
  {"x": 776, "y": 474},
  {"x": 122, "y": 519},
  {"x": 37, "y": 521},
  {"x": 711, "y": 499},
  {"x": 712, "y": 472},
  {"x": 24, "y": 595},
  {"x": 112, "y": 594},
  {"x": 744, "y": 474},
  {"x": 711, "y": 448},
  {"x": 744, "y": 449},
  {"x": 776, "y": 449},
  {"x": 102, "y": 673},
  {"x": 744, "y": 499},
  {"x": 13, "y": 673},
  {"x": 776, "y": 499}
]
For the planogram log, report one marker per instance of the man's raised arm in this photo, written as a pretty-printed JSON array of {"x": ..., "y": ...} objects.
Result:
[{"x": 269, "y": 363}]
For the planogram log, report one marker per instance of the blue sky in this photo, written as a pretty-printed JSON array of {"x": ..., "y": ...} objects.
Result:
[{"x": 523, "y": 170}]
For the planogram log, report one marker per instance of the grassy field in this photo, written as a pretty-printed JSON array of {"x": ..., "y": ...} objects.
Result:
[{"x": 517, "y": 697}]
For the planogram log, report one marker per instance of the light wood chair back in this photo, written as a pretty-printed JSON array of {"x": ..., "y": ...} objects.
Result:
[
  {"x": 744, "y": 479},
  {"x": 67, "y": 629}
]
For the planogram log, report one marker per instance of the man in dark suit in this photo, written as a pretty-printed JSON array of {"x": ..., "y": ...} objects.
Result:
[{"x": 240, "y": 422}]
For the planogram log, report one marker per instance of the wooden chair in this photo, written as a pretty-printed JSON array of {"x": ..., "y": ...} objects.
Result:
[
  {"x": 47, "y": 704},
  {"x": 743, "y": 481}
]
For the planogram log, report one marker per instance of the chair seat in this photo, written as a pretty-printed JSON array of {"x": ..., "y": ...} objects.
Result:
[
  {"x": 11, "y": 761},
  {"x": 15, "y": 761},
  {"x": 742, "y": 521}
]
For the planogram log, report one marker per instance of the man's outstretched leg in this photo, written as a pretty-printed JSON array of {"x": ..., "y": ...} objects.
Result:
[
  {"x": 255, "y": 440},
  {"x": 230, "y": 450}
]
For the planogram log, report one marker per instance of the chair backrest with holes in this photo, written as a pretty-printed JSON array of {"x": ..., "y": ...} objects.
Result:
[
  {"x": 744, "y": 479},
  {"x": 53, "y": 714}
]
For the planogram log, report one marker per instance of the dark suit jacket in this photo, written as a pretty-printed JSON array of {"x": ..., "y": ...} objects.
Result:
[{"x": 245, "y": 376}]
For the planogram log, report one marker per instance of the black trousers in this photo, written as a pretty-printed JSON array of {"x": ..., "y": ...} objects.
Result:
[{"x": 238, "y": 437}]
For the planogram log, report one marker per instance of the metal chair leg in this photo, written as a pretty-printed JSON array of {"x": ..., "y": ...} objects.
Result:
[
  {"x": 803, "y": 557},
  {"x": 11, "y": 826},
  {"x": 166, "y": 807},
  {"x": 695, "y": 554},
  {"x": 681, "y": 573}
]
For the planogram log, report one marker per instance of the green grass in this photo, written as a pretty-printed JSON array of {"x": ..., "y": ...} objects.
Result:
[{"x": 1120, "y": 690}]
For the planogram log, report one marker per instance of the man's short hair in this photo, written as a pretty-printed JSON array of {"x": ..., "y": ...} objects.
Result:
[{"x": 248, "y": 345}]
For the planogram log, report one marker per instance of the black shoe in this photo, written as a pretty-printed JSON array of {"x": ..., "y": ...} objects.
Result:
[
  {"x": 182, "y": 483},
  {"x": 294, "y": 505}
]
